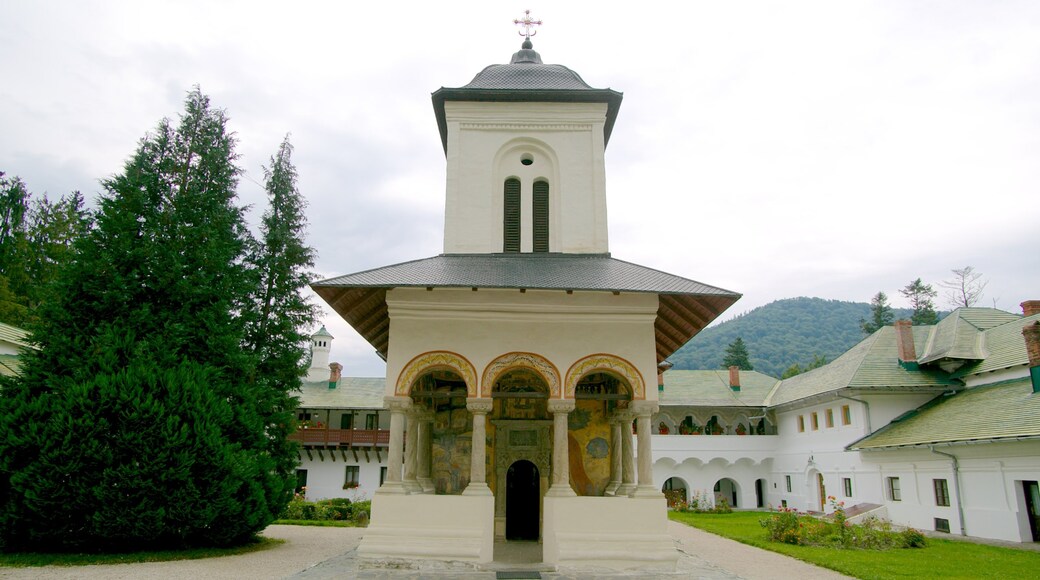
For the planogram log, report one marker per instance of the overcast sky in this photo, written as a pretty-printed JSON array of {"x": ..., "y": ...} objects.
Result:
[{"x": 777, "y": 149}]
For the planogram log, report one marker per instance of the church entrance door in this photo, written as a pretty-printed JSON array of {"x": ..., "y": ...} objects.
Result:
[{"x": 522, "y": 510}]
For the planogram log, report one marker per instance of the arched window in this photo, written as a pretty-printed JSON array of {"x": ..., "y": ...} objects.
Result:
[
  {"x": 511, "y": 217},
  {"x": 540, "y": 216}
]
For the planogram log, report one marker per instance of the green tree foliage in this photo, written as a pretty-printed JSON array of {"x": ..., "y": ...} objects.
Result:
[
  {"x": 135, "y": 425},
  {"x": 280, "y": 263},
  {"x": 881, "y": 314},
  {"x": 965, "y": 288},
  {"x": 737, "y": 356},
  {"x": 780, "y": 334},
  {"x": 920, "y": 296},
  {"x": 36, "y": 239}
]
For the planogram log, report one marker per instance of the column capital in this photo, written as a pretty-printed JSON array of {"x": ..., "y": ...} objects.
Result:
[
  {"x": 482, "y": 406},
  {"x": 622, "y": 416},
  {"x": 398, "y": 404},
  {"x": 644, "y": 408},
  {"x": 561, "y": 405},
  {"x": 422, "y": 413}
]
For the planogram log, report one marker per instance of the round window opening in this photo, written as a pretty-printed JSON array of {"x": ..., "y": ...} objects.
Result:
[{"x": 526, "y": 159}]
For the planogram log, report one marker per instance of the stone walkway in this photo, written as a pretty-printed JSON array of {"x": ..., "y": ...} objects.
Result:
[{"x": 314, "y": 553}]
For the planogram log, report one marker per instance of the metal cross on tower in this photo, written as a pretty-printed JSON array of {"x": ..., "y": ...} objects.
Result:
[{"x": 527, "y": 23}]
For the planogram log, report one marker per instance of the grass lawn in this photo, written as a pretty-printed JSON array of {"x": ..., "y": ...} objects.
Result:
[
  {"x": 940, "y": 559},
  {"x": 26, "y": 559}
]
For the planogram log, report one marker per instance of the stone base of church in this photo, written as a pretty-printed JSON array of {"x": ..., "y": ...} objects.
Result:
[
  {"x": 455, "y": 528},
  {"x": 618, "y": 533}
]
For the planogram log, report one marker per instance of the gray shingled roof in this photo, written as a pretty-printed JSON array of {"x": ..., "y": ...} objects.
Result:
[
  {"x": 527, "y": 76},
  {"x": 1004, "y": 345},
  {"x": 598, "y": 272},
  {"x": 959, "y": 335}
]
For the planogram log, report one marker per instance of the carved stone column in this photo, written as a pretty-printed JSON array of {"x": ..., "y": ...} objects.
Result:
[
  {"x": 411, "y": 447},
  {"x": 425, "y": 424},
  {"x": 478, "y": 456},
  {"x": 615, "y": 454},
  {"x": 643, "y": 411},
  {"x": 398, "y": 406},
  {"x": 628, "y": 471},
  {"x": 561, "y": 467}
]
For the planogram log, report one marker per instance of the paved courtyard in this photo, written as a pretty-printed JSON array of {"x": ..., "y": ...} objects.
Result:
[{"x": 313, "y": 553}]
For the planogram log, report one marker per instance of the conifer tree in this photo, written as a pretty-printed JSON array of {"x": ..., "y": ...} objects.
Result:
[
  {"x": 278, "y": 313},
  {"x": 135, "y": 425},
  {"x": 737, "y": 355},
  {"x": 880, "y": 314},
  {"x": 920, "y": 296}
]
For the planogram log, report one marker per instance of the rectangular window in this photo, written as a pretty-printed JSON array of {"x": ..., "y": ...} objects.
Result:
[
  {"x": 815, "y": 421},
  {"x": 346, "y": 421},
  {"x": 942, "y": 525},
  {"x": 511, "y": 217},
  {"x": 787, "y": 480},
  {"x": 846, "y": 415},
  {"x": 783, "y": 503},
  {"x": 829, "y": 417},
  {"x": 540, "y": 216},
  {"x": 301, "y": 480},
  {"x": 353, "y": 477},
  {"x": 801, "y": 424},
  {"x": 942, "y": 492},
  {"x": 371, "y": 422},
  {"x": 893, "y": 489},
  {"x": 382, "y": 475},
  {"x": 846, "y": 483}
]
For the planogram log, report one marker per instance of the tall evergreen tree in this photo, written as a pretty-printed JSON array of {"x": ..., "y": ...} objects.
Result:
[
  {"x": 737, "y": 355},
  {"x": 14, "y": 224},
  {"x": 135, "y": 425},
  {"x": 920, "y": 296},
  {"x": 881, "y": 314},
  {"x": 278, "y": 313}
]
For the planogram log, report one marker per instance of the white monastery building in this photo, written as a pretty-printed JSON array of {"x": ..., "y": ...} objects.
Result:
[{"x": 517, "y": 359}]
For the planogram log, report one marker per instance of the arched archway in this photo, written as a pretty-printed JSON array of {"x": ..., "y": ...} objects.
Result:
[
  {"x": 760, "y": 493},
  {"x": 675, "y": 489},
  {"x": 439, "y": 395},
  {"x": 605, "y": 363},
  {"x": 434, "y": 360},
  {"x": 520, "y": 360},
  {"x": 727, "y": 490}
]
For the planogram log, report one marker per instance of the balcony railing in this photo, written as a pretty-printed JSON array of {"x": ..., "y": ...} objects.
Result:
[{"x": 319, "y": 436}]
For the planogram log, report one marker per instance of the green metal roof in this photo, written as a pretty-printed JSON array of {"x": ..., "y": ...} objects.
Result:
[
  {"x": 350, "y": 393},
  {"x": 1004, "y": 410},
  {"x": 1005, "y": 345},
  {"x": 959, "y": 335},
  {"x": 871, "y": 364},
  {"x": 711, "y": 389}
]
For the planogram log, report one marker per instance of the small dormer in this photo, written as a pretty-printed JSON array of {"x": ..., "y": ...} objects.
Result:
[{"x": 525, "y": 146}]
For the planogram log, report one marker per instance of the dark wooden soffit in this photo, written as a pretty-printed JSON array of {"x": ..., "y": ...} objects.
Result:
[{"x": 679, "y": 316}]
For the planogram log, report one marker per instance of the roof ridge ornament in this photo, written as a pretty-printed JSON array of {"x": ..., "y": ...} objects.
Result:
[{"x": 528, "y": 24}]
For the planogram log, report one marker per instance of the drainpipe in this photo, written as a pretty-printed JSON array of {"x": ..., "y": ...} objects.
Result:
[
  {"x": 865, "y": 404},
  {"x": 956, "y": 485}
]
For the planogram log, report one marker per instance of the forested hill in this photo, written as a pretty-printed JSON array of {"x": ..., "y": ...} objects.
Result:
[{"x": 782, "y": 333}]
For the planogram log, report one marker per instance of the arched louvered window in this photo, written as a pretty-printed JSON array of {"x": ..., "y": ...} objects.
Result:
[
  {"x": 540, "y": 216},
  {"x": 511, "y": 217}
]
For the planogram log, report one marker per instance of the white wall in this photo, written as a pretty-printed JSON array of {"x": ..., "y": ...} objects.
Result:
[
  {"x": 325, "y": 478},
  {"x": 485, "y": 142}
]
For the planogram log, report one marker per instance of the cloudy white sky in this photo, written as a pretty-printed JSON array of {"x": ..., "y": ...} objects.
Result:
[{"x": 777, "y": 149}]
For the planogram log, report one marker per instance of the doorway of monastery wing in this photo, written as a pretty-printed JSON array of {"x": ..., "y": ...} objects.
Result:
[
  {"x": 444, "y": 443},
  {"x": 521, "y": 451}
]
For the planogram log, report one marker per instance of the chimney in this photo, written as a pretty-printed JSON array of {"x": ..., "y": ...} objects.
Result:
[
  {"x": 1030, "y": 307},
  {"x": 1031, "y": 332},
  {"x": 662, "y": 367},
  {"x": 905, "y": 344},
  {"x": 335, "y": 371},
  {"x": 734, "y": 378}
]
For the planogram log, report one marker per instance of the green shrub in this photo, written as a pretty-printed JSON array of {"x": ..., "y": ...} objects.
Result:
[{"x": 913, "y": 538}]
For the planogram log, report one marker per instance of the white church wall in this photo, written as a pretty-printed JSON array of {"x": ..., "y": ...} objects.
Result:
[
  {"x": 483, "y": 150},
  {"x": 486, "y": 324}
]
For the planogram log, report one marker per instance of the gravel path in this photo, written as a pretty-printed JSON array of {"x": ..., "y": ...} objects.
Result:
[{"x": 314, "y": 553}]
